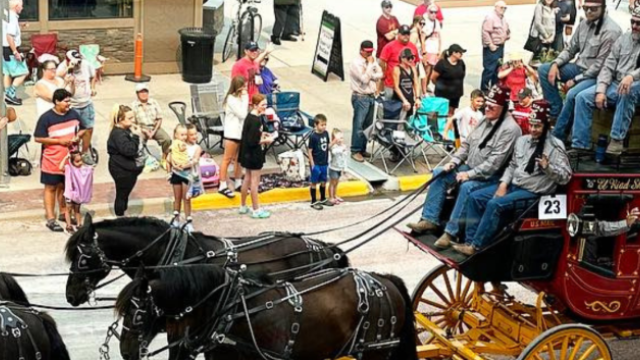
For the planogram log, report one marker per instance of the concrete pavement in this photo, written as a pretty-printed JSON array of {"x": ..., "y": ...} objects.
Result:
[{"x": 292, "y": 63}]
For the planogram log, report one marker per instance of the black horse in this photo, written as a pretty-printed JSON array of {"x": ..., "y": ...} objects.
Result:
[
  {"x": 329, "y": 314},
  {"x": 130, "y": 242},
  {"x": 30, "y": 335}
]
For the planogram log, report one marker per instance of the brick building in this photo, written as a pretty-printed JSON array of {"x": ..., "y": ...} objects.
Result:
[{"x": 112, "y": 24}]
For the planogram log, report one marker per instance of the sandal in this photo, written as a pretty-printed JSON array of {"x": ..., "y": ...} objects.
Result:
[
  {"x": 61, "y": 218},
  {"x": 227, "y": 192},
  {"x": 54, "y": 226}
]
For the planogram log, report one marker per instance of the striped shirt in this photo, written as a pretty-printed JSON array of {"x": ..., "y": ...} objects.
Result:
[{"x": 60, "y": 127}]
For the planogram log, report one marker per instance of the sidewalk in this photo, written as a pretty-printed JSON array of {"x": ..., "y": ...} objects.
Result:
[{"x": 291, "y": 62}]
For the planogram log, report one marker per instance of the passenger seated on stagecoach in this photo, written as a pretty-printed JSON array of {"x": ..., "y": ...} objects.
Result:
[
  {"x": 615, "y": 228},
  {"x": 538, "y": 165},
  {"x": 478, "y": 160}
]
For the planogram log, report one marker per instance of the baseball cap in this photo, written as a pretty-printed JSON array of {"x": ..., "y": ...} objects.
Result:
[
  {"x": 524, "y": 92},
  {"x": 366, "y": 46},
  {"x": 251, "y": 46},
  {"x": 142, "y": 87},
  {"x": 406, "y": 53},
  {"x": 73, "y": 55},
  {"x": 404, "y": 30},
  {"x": 456, "y": 48}
]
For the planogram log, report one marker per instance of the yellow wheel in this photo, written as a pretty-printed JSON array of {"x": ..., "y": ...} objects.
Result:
[
  {"x": 441, "y": 295},
  {"x": 568, "y": 342}
]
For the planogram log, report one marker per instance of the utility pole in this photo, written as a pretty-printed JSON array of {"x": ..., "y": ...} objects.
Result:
[{"x": 4, "y": 140}]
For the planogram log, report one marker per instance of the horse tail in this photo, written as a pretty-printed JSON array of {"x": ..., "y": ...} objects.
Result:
[
  {"x": 58, "y": 348},
  {"x": 406, "y": 350},
  {"x": 16, "y": 294}
]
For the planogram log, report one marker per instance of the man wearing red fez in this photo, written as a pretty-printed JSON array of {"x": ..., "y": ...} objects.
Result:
[
  {"x": 475, "y": 165},
  {"x": 538, "y": 165}
]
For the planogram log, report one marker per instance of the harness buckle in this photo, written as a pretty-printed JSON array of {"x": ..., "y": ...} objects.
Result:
[
  {"x": 220, "y": 338},
  {"x": 16, "y": 332},
  {"x": 188, "y": 310},
  {"x": 380, "y": 323},
  {"x": 379, "y": 293},
  {"x": 394, "y": 320},
  {"x": 38, "y": 356},
  {"x": 210, "y": 254},
  {"x": 269, "y": 305},
  {"x": 295, "y": 328},
  {"x": 366, "y": 325}
]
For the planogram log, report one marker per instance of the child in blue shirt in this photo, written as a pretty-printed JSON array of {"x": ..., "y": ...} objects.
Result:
[{"x": 319, "y": 161}]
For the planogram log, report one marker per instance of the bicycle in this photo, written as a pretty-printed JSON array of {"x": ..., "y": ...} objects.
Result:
[{"x": 247, "y": 21}]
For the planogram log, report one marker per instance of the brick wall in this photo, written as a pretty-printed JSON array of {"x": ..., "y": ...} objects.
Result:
[{"x": 115, "y": 44}]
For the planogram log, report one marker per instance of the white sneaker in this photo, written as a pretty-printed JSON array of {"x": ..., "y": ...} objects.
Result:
[{"x": 243, "y": 210}]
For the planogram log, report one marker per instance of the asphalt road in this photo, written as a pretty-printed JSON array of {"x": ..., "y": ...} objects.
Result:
[{"x": 30, "y": 247}]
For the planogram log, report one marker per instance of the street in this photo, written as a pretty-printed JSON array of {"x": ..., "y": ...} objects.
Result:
[{"x": 29, "y": 247}]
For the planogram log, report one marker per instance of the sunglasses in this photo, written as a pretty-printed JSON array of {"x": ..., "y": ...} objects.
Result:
[
  {"x": 591, "y": 8},
  {"x": 388, "y": 6},
  {"x": 410, "y": 58},
  {"x": 265, "y": 59},
  {"x": 422, "y": 23},
  {"x": 433, "y": 12},
  {"x": 635, "y": 23}
]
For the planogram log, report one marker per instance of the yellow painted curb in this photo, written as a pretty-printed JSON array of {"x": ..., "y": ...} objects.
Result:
[
  {"x": 409, "y": 183},
  {"x": 217, "y": 201}
]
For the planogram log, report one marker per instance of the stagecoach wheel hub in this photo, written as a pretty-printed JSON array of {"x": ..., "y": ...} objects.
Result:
[{"x": 442, "y": 296}]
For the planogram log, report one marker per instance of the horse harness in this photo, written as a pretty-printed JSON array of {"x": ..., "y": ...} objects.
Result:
[
  {"x": 11, "y": 325},
  {"x": 232, "y": 306}
]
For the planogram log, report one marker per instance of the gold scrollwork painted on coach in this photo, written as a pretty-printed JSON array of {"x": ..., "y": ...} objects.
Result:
[
  {"x": 612, "y": 183},
  {"x": 599, "y": 306}
]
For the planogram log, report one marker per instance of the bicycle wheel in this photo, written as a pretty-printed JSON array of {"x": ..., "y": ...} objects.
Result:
[
  {"x": 229, "y": 43},
  {"x": 257, "y": 27}
]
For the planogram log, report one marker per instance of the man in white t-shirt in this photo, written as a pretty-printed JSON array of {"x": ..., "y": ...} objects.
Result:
[
  {"x": 467, "y": 118},
  {"x": 85, "y": 84},
  {"x": 14, "y": 66}
]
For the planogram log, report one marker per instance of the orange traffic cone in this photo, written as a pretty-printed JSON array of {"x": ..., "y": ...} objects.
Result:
[{"x": 137, "y": 75}]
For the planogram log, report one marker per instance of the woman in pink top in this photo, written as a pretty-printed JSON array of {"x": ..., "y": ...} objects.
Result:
[{"x": 78, "y": 187}]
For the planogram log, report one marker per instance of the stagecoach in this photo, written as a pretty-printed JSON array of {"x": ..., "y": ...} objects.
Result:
[{"x": 587, "y": 286}]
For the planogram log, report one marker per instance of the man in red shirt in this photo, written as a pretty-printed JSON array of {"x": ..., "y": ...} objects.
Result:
[
  {"x": 522, "y": 109},
  {"x": 386, "y": 27},
  {"x": 249, "y": 66},
  {"x": 390, "y": 58},
  {"x": 422, "y": 9}
]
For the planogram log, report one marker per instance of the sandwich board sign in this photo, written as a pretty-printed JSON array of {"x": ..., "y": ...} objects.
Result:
[{"x": 328, "y": 54}]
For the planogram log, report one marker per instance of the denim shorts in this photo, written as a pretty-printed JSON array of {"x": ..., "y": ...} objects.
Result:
[
  {"x": 87, "y": 116},
  {"x": 319, "y": 174},
  {"x": 334, "y": 174}
]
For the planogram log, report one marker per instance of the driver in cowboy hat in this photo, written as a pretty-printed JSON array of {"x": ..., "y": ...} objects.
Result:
[
  {"x": 538, "y": 165},
  {"x": 484, "y": 153}
]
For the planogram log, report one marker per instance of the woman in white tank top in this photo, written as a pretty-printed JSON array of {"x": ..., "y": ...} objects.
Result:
[{"x": 47, "y": 85}]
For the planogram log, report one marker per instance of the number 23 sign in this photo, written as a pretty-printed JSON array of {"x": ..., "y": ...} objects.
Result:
[{"x": 552, "y": 207}]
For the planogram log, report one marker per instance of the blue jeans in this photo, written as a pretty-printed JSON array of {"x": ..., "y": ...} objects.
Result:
[
  {"x": 564, "y": 114},
  {"x": 490, "y": 64},
  {"x": 362, "y": 111},
  {"x": 437, "y": 194},
  {"x": 625, "y": 106},
  {"x": 485, "y": 213}
]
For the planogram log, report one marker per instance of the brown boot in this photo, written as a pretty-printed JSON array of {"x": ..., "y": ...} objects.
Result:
[
  {"x": 422, "y": 226},
  {"x": 464, "y": 249},
  {"x": 444, "y": 242}
]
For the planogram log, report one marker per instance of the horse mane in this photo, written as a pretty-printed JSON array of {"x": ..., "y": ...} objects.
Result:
[
  {"x": 192, "y": 282},
  {"x": 71, "y": 248},
  {"x": 14, "y": 290}
]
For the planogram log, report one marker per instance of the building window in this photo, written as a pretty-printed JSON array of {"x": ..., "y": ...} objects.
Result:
[
  {"x": 89, "y": 9},
  {"x": 29, "y": 11}
]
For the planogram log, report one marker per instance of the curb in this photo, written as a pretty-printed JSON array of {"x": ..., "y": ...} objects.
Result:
[
  {"x": 215, "y": 201},
  {"x": 412, "y": 182}
]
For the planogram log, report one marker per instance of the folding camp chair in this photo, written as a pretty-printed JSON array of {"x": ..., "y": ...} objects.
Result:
[
  {"x": 296, "y": 124},
  {"x": 91, "y": 54},
  {"x": 384, "y": 132},
  {"x": 208, "y": 111},
  {"x": 429, "y": 123}
]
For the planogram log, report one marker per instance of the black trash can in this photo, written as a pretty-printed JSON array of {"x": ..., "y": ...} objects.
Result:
[{"x": 197, "y": 54}]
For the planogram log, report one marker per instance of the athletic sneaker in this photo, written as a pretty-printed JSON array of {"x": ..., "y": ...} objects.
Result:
[
  {"x": 317, "y": 206},
  {"x": 243, "y": 210},
  {"x": 13, "y": 100},
  {"x": 260, "y": 214},
  {"x": 87, "y": 158}
]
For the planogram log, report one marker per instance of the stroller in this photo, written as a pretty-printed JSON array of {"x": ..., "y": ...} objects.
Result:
[{"x": 18, "y": 166}]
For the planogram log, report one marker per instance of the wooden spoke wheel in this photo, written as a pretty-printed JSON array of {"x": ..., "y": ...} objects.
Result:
[
  {"x": 442, "y": 294},
  {"x": 567, "y": 342}
]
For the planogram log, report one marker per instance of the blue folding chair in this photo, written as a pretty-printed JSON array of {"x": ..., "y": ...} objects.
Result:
[
  {"x": 429, "y": 123},
  {"x": 296, "y": 125}
]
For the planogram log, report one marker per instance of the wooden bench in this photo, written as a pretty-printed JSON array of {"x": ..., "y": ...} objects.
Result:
[{"x": 602, "y": 121}]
